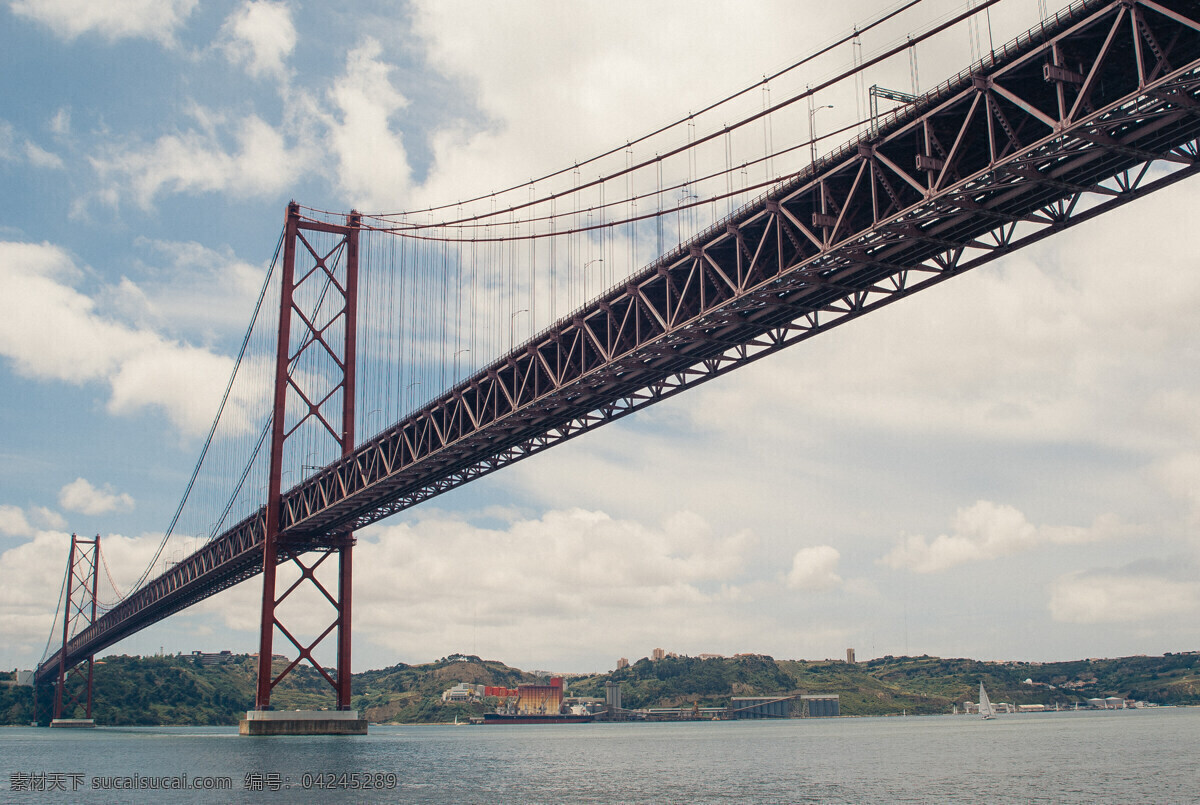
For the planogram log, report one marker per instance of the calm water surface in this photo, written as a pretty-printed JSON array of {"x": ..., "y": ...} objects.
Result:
[{"x": 1135, "y": 756}]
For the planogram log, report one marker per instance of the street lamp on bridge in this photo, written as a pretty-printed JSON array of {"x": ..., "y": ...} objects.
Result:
[{"x": 812, "y": 130}]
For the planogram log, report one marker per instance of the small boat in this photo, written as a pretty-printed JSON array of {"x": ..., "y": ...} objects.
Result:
[{"x": 986, "y": 710}]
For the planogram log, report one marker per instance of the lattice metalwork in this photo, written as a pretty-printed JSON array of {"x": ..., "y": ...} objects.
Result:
[
  {"x": 314, "y": 405},
  {"x": 1068, "y": 127}
]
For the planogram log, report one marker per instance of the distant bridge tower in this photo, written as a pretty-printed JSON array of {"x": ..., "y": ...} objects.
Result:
[
  {"x": 314, "y": 368},
  {"x": 83, "y": 572}
]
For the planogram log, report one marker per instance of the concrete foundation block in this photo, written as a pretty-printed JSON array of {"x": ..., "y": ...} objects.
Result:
[{"x": 302, "y": 722}]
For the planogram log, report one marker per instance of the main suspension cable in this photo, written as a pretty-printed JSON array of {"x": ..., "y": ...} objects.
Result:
[
  {"x": 57, "y": 610},
  {"x": 682, "y": 121},
  {"x": 692, "y": 144},
  {"x": 216, "y": 420},
  {"x": 475, "y": 222}
]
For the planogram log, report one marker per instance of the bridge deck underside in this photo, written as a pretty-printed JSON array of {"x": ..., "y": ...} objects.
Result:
[{"x": 1087, "y": 114}]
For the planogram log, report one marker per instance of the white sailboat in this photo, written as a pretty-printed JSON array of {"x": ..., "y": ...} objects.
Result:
[{"x": 985, "y": 704}]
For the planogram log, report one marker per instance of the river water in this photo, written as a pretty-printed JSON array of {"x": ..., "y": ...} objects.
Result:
[{"x": 1131, "y": 756}]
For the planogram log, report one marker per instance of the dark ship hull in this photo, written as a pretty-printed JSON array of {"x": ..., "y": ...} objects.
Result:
[{"x": 501, "y": 718}]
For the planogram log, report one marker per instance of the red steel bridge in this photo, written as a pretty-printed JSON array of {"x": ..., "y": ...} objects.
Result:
[{"x": 1097, "y": 106}]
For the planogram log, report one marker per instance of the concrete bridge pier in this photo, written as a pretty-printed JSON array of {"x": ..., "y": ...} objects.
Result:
[{"x": 302, "y": 722}]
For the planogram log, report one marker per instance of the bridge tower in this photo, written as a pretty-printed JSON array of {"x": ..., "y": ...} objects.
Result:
[
  {"x": 314, "y": 369},
  {"x": 83, "y": 572}
]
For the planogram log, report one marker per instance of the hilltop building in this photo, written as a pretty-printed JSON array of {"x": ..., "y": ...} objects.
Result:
[
  {"x": 207, "y": 658},
  {"x": 464, "y": 692}
]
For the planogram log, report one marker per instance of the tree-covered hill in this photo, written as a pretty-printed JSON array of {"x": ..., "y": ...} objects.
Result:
[
  {"x": 897, "y": 684},
  {"x": 179, "y": 690},
  {"x": 130, "y": 691}
]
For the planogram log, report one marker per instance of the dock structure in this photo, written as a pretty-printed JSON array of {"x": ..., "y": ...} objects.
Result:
[
  {"x": 788, "y": 706},
  {"x": 783, "y": 705}
]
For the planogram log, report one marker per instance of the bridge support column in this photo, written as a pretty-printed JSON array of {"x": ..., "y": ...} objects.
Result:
[
  {"x": 83, "y": 572},
  {"x": 315, "y": 364}
]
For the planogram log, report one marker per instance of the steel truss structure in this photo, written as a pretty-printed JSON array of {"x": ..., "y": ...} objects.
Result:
[
  {"x": 83, "y": 574},
  {"x": 981, "y": 168},
  {"x": 1093, "y": 109}
]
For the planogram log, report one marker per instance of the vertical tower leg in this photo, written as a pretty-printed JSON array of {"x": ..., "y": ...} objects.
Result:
[
  {"x": 262, "y": 697},
  {"x": 315, "y": 343},
  {"x": 345, "y": 551},
  {"x": 61, "y": 682},
  {"x": 343, "y": 649},
  {"x": 83, "y": 569}
]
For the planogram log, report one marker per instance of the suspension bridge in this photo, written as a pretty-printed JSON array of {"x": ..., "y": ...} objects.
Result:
[{"x": 460, "y": 339}]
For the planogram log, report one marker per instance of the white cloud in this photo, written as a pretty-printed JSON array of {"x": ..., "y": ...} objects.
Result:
[
  {"x": 41, "y": 158},
  {"x": 610, "y": 81},
  {"x": 259, "y": 165},
  {"x": 815, "y": 569},
  {"x": 126, "y": 558},
  {"x": 33, "y": 153},
  {"x": 575, "y": 562},
  {"x": 1109, "y": 597},
  {"x": 554, "y": 585},
  {"x": 8, "y": 150},
  {"x": 13, "y": 522},
  {"x": 178, "y": 378},
  {"x": 48, "y": 518},
  {"x": 50, "y": 330},
  {"x": 349, "y": 134},
  {"x": 987, "y": 530},
  {"x": 199, "y": 293},
  {"x": 81, "y": 496},
  {"x": 373, "y": 169},
  {"x": 1180, "y": 476},
  {"x": 60, "y": 124},
  {"x": 16, "y": 523},
  {"x": 246, "y": 157},
  {"x": 1009, "y": 357},
  {"x": 112, "y": 19},
  {"x": 33, "y": 574},
  {"x": 261, "y": 36}
]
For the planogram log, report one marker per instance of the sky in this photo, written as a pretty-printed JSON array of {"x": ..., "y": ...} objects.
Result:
[{"x": 1003, "y": 467}]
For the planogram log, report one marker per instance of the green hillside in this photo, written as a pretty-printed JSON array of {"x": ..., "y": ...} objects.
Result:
[
  {"x": 178, "y": 690},
  {"x": 132, "y": 691},
  {"x": 918, "y": 685}
]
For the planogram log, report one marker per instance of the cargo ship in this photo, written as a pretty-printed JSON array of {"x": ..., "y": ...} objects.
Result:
[
  {"x": 532, "y": 704},
  {"x": 535, "y": 718}
]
